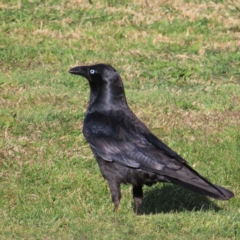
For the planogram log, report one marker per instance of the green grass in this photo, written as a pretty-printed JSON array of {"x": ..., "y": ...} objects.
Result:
[{"x": 179, "y": 61}]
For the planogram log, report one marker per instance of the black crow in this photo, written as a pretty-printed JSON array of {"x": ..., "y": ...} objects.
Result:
[{"x": 125, "y": 149}]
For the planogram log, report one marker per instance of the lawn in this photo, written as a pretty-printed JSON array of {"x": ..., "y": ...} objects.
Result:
[{"x": 180, "y": 64}]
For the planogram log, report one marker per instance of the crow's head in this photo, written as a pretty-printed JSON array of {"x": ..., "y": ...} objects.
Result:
[
  {"x": 105, "y": 83},
  {"x": 96, "y": 74}
]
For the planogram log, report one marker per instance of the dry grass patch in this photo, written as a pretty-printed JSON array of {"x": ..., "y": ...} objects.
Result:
[
  {"x": 220, "y": 13},
  {"x": 12, "y": 5},
  {"x": 210, "y": 121}
]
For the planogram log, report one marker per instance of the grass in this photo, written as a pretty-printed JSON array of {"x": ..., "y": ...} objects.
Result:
[{"x": 180, "y": 63}]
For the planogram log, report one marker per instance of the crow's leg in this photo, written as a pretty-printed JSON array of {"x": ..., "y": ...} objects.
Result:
[
  {"x": 137, "y": 197},
  {"x": 116, "y": 193}
]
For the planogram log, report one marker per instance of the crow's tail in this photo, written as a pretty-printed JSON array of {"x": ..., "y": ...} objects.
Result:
[
  {"x": 192, "y": 180},
  {"x": 212, "y": 190}
]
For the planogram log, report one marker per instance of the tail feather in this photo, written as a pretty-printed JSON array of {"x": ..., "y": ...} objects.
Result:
[
  {"x": 212, "y": 190},
  {"x": 189, "y": 178}
]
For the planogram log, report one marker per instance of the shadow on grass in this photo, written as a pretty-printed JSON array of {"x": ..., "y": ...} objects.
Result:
[{"x": 172, "y": 198}]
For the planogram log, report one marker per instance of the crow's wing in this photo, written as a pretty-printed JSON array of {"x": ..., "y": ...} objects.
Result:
[
  {"x": 163, "y": 147},
  {"x": 115, "y": 138},
  {"x": 124, "y": 139}
]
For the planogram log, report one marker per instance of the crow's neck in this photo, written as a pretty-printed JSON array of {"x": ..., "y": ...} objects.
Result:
[{"x": 106, "y": 98}]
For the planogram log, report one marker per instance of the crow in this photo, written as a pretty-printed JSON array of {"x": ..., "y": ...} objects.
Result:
[{"x": 125, "y": 149}]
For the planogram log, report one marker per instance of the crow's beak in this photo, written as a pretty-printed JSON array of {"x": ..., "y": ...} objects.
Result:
[{"x": 79, "y": 70}]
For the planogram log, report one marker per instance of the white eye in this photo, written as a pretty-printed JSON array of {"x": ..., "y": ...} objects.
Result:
[{"x": 92, "y": 71}]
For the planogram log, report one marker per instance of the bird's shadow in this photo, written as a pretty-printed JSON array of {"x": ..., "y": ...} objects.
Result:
[{"x": 172, "y": 198}]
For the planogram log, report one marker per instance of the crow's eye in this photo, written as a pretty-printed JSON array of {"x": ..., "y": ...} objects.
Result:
[{"x": 92, "y": 71}]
